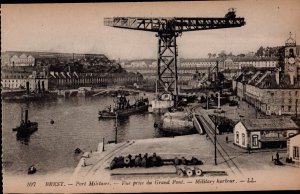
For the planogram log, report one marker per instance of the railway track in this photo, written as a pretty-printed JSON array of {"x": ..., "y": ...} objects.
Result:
[{"x": 223, "y": 153}]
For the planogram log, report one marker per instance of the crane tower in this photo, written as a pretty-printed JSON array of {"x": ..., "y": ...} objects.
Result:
[{"x": 167, "y": 30}]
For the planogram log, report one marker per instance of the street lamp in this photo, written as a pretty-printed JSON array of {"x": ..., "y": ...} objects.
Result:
[{"x": 216, "y": 127}]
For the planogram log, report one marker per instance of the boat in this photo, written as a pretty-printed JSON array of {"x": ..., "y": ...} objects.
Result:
[
  {"x": 123, "y": 108},
  {"x": 31, "y": 169},
  {"x": 26, "y": 127}
]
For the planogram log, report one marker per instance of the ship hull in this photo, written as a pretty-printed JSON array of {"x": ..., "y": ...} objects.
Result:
[
  {"x": 26, "y": 130},
  {"x": 122, "y": 113},
  {"x": 177, "y": 126}
]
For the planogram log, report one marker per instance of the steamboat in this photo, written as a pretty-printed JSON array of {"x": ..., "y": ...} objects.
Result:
[
  {"x": 26, "y": 127},
  {"x": 123, "y": 108}
]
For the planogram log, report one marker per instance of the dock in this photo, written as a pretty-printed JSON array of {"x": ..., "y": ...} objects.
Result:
[{"x": 186, "y": 146}]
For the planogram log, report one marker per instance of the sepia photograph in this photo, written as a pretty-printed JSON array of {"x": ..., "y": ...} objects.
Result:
[{"x": 185, "y": 96}]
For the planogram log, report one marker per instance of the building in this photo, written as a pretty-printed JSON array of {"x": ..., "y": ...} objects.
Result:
[
  {"x": 186, "y": 68},
  {"x": 18, "y": 59},
  {"x": 19, "y": 80},
  {"x": 246, "y": 62},
  {"x": 293, "y": 144},
  {"x": 264, "y": 133},
  {"x": 27, "y": 58},
  {"x": 73, "y": 80},
  {"x": 273, "y": 91}
]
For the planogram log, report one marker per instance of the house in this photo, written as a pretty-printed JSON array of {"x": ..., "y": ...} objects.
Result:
[
  {"x": 293, "y": 144},
  {"x": 264, "y": 133}
]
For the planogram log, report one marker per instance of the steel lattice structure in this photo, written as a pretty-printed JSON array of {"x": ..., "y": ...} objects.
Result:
[{"x": 168, "y": 29}]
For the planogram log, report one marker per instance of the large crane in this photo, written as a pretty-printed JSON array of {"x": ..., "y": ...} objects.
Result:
[{"x": 167, "y": 30}]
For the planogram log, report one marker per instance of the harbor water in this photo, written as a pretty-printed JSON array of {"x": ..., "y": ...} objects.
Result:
[{"x": 76, "y": 125}]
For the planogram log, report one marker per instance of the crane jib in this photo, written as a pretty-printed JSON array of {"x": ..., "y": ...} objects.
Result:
[
  {"x": 168, "y": 29},
  {"x": 173, "y": 24}
]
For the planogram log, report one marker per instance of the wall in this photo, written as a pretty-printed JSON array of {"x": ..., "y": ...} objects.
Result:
[
  {"x": 240, "y": 128},
  {"x": 294, "y": 141}
]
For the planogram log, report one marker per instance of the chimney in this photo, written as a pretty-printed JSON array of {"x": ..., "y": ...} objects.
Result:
[{"x": 277, "y": 77}]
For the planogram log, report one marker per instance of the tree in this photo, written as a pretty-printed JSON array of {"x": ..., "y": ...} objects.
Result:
[
  {"x": 222, "y": 54},
  {"x": 209, "y": 55},
  {"x": 260, "y": 52}
]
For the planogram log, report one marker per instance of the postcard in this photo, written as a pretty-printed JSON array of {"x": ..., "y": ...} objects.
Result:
[{"x": 150, "y": 96}]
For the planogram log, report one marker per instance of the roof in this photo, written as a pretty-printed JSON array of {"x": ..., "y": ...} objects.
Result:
[
  {"x": 294, "y": 135},
  {"x": 269, "y": 124}
]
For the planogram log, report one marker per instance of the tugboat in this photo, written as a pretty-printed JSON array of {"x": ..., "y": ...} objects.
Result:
[
  {"x": 123, "y": 108},
  {"x": 26, "y": 127}
]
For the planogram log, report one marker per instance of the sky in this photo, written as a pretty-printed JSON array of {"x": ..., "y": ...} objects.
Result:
[{"x": 79, "y": 28}]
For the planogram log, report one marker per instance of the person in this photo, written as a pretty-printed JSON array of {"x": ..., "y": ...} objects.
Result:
[
  {"x": 83, "y": 164},
  {"x": 248, "y": 148},
  {"x": 206, "y": 136},
  {"x": 226, "y": 139},
  {"x": 277, "y": 156}
]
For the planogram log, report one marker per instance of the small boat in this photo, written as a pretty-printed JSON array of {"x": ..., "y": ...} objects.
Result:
[
  {"x": 31, "y": 169},
  {"x": 26, "y": 127},
  {"x": 123, "y": 108}
]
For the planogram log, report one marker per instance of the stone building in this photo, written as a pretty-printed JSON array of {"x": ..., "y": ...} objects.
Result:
[
  {"x": 264, "y": 133},
  {"x": 19, "y": 80},
  {"x": 67, "y": 80},
  {"x": 273, "y": 91},
  {"x": 293, "y": 145},
  {"x": 17, "y": 59}
]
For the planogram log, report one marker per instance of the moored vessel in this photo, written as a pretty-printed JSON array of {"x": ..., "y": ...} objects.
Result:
[
  {"x": 26, "y": 127},
  {"x": 123, "y": 108}
]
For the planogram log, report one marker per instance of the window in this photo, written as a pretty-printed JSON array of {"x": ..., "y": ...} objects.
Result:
[
  {"x": 289, "y": 107},
  {"x": 243, "y": 139},
  {"x": 255, "y": 140},
  {"x": 296, "y": 152},
  {"x": 237, "y": 137}
]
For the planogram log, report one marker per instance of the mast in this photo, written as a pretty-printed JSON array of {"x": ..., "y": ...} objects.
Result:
[{"x": 116, "y": 128}]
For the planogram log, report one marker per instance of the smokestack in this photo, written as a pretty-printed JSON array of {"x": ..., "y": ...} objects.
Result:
[
  {"x": 277, "y": 77},
  {"x": 27, "y": 87},
  {"x": 26, "y": 116}
]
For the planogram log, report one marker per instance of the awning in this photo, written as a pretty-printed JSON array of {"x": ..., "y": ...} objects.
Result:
[{"x": 273, "y": 139}]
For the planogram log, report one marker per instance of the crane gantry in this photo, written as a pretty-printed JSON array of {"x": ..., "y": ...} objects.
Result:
[{"x": 167, "y": 30}]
